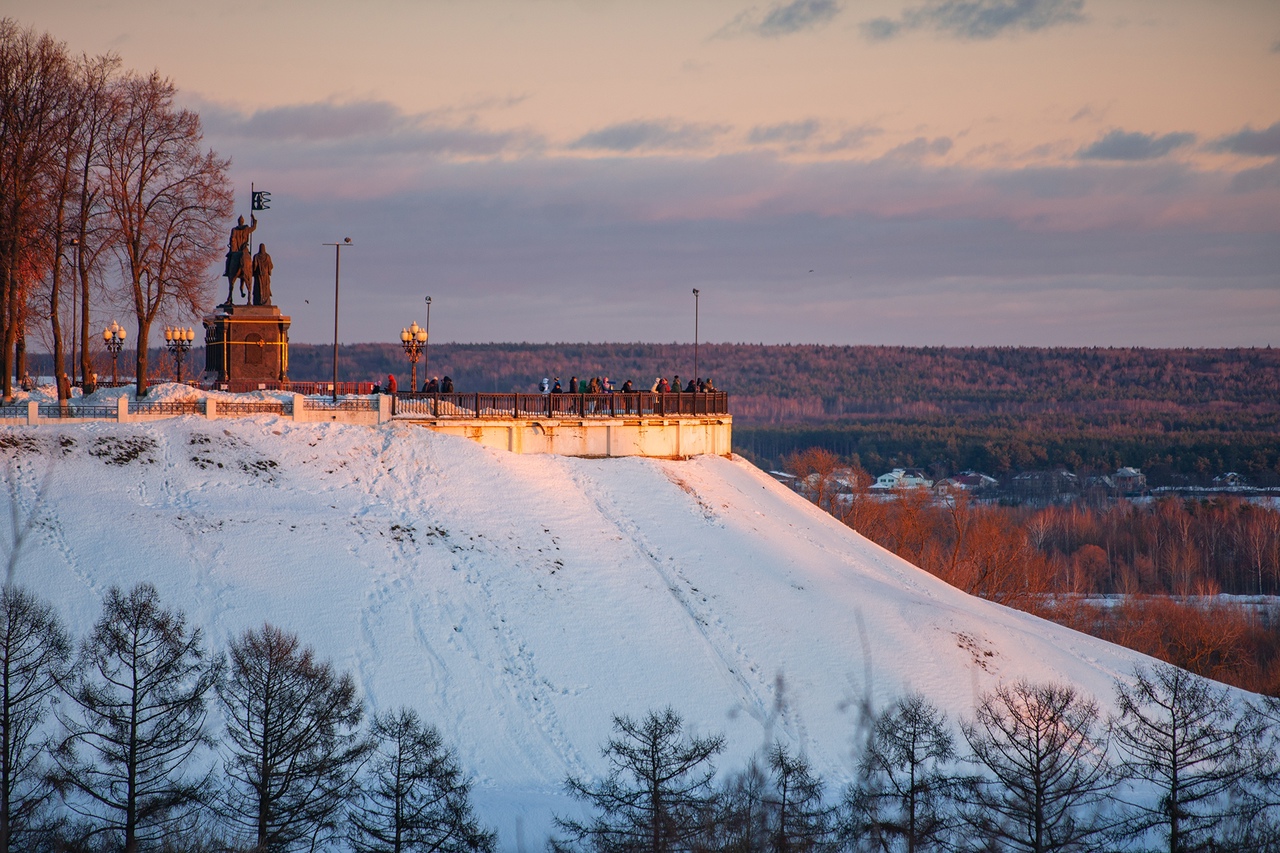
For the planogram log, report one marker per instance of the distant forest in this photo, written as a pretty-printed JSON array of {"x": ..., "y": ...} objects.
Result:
[{"x": 1182, "y": 415}]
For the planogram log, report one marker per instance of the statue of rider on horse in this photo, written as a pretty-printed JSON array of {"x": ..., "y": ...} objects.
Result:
[{"x": 240, "y": 258}]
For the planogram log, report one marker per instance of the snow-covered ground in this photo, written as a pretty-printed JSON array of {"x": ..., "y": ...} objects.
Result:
[{"x": 519, "y": 602}]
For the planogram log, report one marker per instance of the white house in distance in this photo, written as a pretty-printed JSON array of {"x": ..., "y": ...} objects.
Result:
[{"x": 902, "y": 478}]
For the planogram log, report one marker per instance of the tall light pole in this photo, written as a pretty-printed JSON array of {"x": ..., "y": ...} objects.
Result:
[
  {"x": 426, "y": 356},
  {"x": 75, "y": 329},
  {"x": 337, "y": 263},
  {"x": 696, "y": 293}
]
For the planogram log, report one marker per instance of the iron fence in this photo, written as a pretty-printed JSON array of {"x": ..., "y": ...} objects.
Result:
[
  {"x": 346, "y": 405},
  {"x": 253, "y": 407},
  {"x": 181, "y": 407}
]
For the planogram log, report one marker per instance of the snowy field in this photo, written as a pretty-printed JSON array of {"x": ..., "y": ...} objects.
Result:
[{"x": 518, "y": 602}]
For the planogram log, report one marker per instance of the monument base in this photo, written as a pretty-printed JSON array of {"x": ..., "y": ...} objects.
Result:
[{"x": 244, "y": 343}]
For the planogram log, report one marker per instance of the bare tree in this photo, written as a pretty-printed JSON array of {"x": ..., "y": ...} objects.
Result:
[
  {"x": 799, "y": 820},
  {"x": 138, "y": 692},
  {"x": 33, "y": 78},
  {"x": 167, "y": 197},
  {"x": 740, "y": 821},
  {"x": 413, "y": 796},
  {"x": 904, "y": 799},
  {"x": 34, "y": 653},
  {"x": 1044, "y": 752},
  {"x": 1191, "y": 741},
  {"x": 657, "y": 791},
  {"x": 90, "y": 220},
  {"x": 60, "y": 205},
  {"x": 814, "y": 469},
  {"x": 293, "y": 741}
]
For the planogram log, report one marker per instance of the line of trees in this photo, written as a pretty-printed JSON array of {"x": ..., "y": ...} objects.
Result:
[
  {"x": 113, "y": 744},
  {"x": 1181, "y": 767},
  {"x": 109, "y": 744},
  {"x": 1168, "y": 558},
  {"x": 106, "y": 196}
]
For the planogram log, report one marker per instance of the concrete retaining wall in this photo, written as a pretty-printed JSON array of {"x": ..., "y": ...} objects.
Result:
[{"x": 660, "y": 437}]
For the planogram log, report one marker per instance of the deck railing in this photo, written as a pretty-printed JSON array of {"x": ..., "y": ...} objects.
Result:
[
  {"x": 485, "y": 406},
  {"x": 615, "y": 405}
]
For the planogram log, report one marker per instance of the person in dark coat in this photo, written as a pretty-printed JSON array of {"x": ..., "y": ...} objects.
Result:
[
  {"x": 446, "y": 385},
  {"x": 627, "y": 387},
  {"x": 556, "y": 389},
  {"x": 573, "y": 385},
  {"x": 691, "y": 387}
]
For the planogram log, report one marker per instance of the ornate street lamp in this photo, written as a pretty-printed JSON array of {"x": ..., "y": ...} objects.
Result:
[
  {"x": 413, "y": 339},
  {"x": 178, "y": 340},
  {"x": 113, "y": 337}
]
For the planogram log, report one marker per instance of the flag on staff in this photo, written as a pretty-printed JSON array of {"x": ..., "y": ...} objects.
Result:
[{"x": 261, "y": 200}]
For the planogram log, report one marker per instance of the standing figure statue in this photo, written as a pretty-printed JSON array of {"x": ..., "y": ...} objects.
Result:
[
  {"x": 239, "y": 258},
  {"x": 262, "y": 267}
]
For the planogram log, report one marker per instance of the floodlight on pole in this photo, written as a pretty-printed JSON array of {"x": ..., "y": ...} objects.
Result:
[
  {"x": 696, "y": 294},
  {"x": 426, "y": 355},
  {"x": 337, "y": 264}
]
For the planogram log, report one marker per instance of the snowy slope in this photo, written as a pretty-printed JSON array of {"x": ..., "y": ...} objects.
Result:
[{"x": 520, "y": 601}]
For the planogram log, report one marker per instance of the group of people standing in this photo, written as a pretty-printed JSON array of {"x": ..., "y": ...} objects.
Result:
[
  {"x": 602, "y": 385},
  {"x": 434, "y": 385}
]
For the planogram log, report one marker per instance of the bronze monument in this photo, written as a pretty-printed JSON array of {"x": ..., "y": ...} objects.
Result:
[{"x": 247, "y": 345}]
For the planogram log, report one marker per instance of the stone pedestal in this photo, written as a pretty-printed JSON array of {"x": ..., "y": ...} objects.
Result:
[{"x": 246, "y": 343}]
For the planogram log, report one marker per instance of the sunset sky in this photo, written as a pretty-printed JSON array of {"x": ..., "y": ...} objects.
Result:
[{"x": 1025, "y": 172}]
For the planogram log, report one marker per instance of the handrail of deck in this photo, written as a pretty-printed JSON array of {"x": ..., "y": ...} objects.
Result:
[{"x": 614, "y": 405}]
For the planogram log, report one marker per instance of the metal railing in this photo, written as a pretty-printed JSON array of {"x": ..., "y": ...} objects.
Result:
[
  {"x": 253, "y": 407},
  {"x": 615, "y": 405},
  {"x": 54, "y": 410},
  {"x": 325, "y": 404},
  {"x": 181, "y": 407}
]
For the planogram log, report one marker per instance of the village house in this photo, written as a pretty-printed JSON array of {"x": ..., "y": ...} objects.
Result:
[{"x": 902, "y": 478}]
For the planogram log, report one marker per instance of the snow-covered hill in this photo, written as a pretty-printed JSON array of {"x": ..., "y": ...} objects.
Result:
[{"x": 520, "y": 601}]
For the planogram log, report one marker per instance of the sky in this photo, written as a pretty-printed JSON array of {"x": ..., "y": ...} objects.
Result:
[{"x": 927, "y": 172}]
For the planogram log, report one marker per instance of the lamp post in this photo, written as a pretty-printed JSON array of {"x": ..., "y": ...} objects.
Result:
[
  {"x": 413, "y": 339},
  {"x": 178, "y": 340},
  {"x": 337, "y": 263},
  {"x": 696, "y": 294},
  {"x": 426, "y": 355},
  {"x": 75, "y": 329},
  {"x": 113, "y": 337}
]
